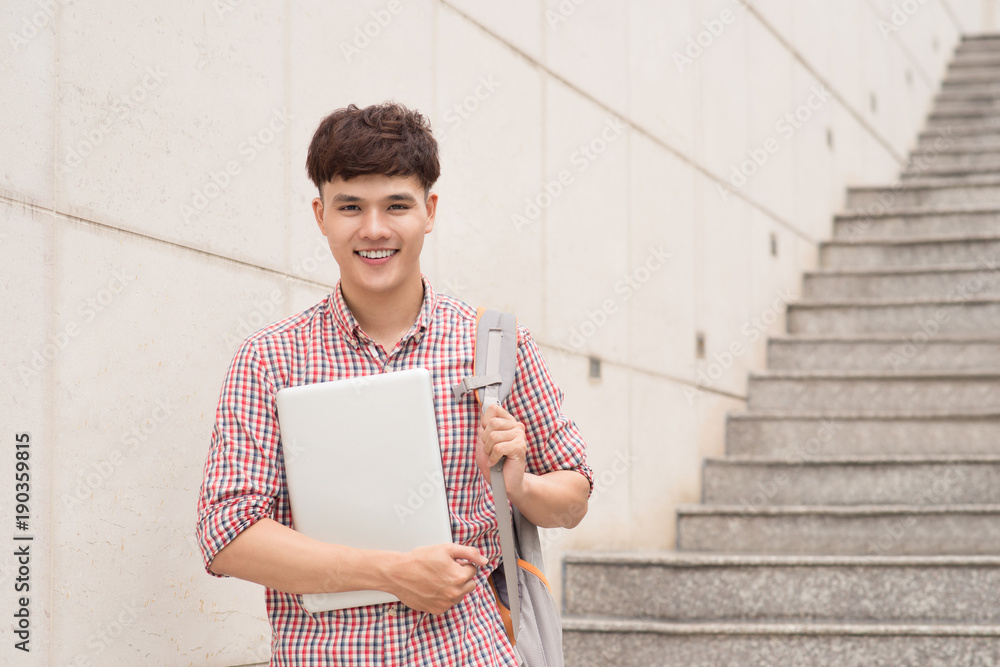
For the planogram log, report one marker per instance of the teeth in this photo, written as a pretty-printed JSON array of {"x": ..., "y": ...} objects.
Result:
[{"x": 375, "y": 254}]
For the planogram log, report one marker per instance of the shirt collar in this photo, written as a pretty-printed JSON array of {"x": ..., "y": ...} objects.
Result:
[{"x": 344, "y": 318}]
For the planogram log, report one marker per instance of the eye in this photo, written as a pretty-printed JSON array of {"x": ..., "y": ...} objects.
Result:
[
  {"x": 350, "y": 207},
  {"x": 399, "y": 207}
]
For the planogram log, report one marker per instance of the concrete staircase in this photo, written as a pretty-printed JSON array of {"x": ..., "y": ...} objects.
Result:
[{"x": 856, "y": 517}]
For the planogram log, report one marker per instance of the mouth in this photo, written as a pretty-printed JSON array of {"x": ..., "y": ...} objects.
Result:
[{"x": 380, "y": 256}]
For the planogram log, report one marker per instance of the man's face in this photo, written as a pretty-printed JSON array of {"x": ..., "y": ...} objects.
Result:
[{"x": 375, "y": 226}]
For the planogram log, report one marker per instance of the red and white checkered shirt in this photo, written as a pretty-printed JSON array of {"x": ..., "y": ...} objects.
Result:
[{"x": 244, "y": 477}]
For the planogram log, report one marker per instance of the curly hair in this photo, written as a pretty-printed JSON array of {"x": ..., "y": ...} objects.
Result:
[{"x": 386, "y": 139}]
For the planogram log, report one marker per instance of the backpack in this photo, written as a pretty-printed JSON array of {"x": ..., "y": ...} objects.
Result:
[{"x": 528, "y": 609}]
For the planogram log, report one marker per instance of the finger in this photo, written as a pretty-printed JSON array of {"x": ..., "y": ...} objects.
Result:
[
  {"x": 505, "y": 435},
  {"x": 465, "y": 552},
  {"x": 504, "y": 431},
  {"x": 468, "y": 587},
  {"x": 487, "y": 443},
  {"x": 494, "y": 411},
  {"x": 515, "y": 448}
]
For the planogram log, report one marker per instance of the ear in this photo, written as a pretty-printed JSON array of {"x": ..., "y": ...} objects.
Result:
[
  {"x": 432, "y": 200},
  {"x": 317, "y": 205}
]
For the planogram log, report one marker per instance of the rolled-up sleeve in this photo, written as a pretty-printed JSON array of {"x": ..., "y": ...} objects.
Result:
[
  {"x": 242, "y": 472},
  {"x": 554, "y": 441}
]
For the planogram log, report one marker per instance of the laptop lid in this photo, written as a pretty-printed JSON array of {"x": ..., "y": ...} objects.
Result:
[{"x": 363, "y": 467}]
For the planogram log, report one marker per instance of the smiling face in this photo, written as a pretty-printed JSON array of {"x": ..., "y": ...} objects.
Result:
[{"x": 375, "y": 226}]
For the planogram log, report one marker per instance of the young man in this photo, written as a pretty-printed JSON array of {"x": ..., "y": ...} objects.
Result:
[{"x": 374, "y": 168}]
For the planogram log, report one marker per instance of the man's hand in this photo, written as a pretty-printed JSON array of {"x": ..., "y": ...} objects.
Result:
[
  {"x": 502, "y": 435},
  {"x": 436, "y": 578}
]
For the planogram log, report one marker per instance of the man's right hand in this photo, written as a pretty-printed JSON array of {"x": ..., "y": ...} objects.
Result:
[{"x": 436, "y": 578}]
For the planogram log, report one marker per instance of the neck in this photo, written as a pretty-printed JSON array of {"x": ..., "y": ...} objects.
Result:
[{"x": 386, "y": 317}]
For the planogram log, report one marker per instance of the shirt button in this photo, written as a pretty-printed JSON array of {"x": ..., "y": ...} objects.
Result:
[{"x": 392, "y": 610}]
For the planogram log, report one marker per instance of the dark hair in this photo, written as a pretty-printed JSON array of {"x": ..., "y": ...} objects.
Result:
[{"x": 386, "y": 139}]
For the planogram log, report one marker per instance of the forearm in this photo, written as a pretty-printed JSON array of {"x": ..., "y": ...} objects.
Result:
[
  {"x": 557, "y": 499},
  {"x": 273, "y": 555}
]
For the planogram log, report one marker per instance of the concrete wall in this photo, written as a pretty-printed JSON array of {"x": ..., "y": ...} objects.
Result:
[{"x": 154, "y": 210}]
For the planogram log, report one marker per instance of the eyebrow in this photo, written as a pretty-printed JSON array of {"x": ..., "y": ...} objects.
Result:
[
  {"x": 342, "y": 198},
  {"x": 404, "y": 197}
]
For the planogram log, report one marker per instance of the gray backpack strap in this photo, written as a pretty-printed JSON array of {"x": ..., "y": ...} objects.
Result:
[
  {"x": 496, "y": 363},
  {"x": 529, "y": 545},
  {"x": 496, "y": 337}
]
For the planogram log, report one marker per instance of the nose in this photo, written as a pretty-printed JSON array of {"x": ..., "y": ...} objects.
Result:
[{"x": 375, "y": 225}]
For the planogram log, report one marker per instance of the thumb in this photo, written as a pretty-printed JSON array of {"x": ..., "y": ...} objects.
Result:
[{"x": 468, "y": 553}]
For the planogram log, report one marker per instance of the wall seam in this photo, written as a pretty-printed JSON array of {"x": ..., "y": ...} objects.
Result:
[
  {"x": 635, "y": 126},
  {"x": 826, "y": 84},
  {"x": 901, "y": 45},
  {"x": 560, "y": 351},
  {"x": 66, "y": 218},
  {"x": 946, "y": 5}
]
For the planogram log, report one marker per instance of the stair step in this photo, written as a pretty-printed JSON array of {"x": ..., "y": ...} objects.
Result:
[
  {"x": 887, "y": 354},
  {"x": 981, "y": 251},
  {"x": 963, "y": 123},
  {"x": 874, "y": 530},
  {"x": 672, "y": 586},
  {"x": 926, "y": 160},
  {"x": 593, "y": 642},
  {"x": 940, "y": 173},
  {"x": 908, "y": 318},
  {"x": 958, "y": 140},
  {"x": 967, "y": 77},
  {"x": 806, "y": 435},
  {"x": 968, "y": 106},
  {"x": 918, "y": 224},
  {"x": 974, "y": 59},
  {"x": 976, "y": 39},
  {"x": 950, "y": 134},
  {"x": 973, "y": 107},
  {"x": 900, "y": 480},
  {"x": 971, "y": 94},
  {"x": 902, "y": 283},
  {"x": 978, "y": 190},
  {"x": 965, "y": 89},
  {"x": 866, "y": 393}
]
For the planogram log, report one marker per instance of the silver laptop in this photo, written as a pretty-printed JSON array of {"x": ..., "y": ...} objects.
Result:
[{"x": 363, "y": 467}]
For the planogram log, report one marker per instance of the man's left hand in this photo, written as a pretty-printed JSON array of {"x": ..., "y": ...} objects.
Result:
[{"x": 502, "y": 435}]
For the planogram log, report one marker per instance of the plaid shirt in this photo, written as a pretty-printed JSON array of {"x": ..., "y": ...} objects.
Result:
[{"x": 244, "y": 478}]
